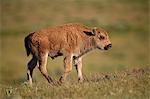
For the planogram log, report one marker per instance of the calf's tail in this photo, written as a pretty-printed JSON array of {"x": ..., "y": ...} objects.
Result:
[{"x": 27, "y": 44}]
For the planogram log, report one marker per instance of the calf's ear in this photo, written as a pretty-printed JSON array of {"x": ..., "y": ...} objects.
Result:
[{"x": 91, "y": 32}]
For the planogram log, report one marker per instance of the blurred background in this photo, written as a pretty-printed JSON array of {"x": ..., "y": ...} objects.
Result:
[{"x": 125, "y": 20}]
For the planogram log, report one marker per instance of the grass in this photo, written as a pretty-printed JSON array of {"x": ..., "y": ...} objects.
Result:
[{"x": 128, "y": 84}]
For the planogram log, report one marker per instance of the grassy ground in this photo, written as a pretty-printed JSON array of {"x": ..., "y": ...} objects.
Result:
[
  {"x": 129, "y": 84},
  {"x": 110, "y": 74}
]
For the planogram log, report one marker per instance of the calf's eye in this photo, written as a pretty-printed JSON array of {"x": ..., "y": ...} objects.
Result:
[{"x": 102, "y": 37}]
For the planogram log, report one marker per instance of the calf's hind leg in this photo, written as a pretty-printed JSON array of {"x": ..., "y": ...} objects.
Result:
[
  {"x": 42, "y": 66},
  {"x": 31, "y": 65}
]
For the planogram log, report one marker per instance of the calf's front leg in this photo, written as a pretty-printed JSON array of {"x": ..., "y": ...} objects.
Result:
[
  {"x": 78, "y": 65},
  {"x": 67, "y": 67}
]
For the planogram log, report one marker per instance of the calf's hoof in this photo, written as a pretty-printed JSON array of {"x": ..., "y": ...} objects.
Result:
[
  {"x": 61, "y": 80},
  {"x": 80, "y": 80}
]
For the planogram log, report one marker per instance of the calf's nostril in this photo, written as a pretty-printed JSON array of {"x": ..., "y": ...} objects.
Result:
[{"x": 110, "y": 45}]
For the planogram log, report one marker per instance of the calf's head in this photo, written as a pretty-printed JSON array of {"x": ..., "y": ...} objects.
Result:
[{"x": 100, "y": 38}]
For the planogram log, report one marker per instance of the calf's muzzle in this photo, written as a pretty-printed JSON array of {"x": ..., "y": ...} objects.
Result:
[{"x": 107, "y": 46}]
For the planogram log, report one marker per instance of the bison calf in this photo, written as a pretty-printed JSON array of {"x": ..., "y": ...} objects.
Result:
[{"x": 71, "y": 41}]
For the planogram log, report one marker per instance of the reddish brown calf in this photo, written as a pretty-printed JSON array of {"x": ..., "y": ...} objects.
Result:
[{"x": 71, "y": 41}]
